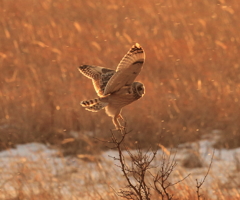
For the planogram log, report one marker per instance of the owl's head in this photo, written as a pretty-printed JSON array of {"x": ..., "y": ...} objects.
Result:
[{"x": 139, "y": 87}]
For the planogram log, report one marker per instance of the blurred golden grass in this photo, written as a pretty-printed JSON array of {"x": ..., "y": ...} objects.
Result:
[{"x": 191, "y": 72}]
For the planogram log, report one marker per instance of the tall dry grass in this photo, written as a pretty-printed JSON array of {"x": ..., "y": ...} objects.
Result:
[{"x": 191, "y": 73}]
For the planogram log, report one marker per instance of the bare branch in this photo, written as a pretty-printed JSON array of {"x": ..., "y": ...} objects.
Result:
[
  {"x": 137, "y": 169},
  {"x": 200, "y": 183}
]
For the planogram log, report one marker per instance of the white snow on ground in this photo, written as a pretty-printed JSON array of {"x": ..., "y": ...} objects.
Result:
[{"x": 43, "y": 167}]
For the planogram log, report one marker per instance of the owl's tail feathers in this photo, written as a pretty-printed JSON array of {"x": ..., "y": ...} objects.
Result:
[{"x": 94, "y": 105}]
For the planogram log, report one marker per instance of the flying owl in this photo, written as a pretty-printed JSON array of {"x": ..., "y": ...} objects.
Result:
[{"x": 116, "y": 88}]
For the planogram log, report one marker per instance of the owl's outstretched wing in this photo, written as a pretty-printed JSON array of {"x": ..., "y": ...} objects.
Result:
[
  {"x": 127, "y": 70},
  {"x": 99, "y": 75}
]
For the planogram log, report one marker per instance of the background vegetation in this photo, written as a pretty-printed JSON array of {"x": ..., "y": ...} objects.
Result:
[{"x": 191, "y": 73}]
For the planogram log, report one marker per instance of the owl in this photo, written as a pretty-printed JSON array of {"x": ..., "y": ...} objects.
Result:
[{"x": 116, "y": 88}]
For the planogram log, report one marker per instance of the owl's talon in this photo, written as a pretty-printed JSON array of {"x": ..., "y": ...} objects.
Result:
[{"x": 121, "y": 128}]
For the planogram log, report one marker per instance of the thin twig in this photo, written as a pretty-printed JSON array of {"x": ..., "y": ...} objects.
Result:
[{"x": 200, "y": 183}]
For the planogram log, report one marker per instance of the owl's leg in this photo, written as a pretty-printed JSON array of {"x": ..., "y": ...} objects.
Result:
[
  {"x": 125, "y": 123},
  {"x": 116, "y": 122},
  {"x": 120, "y": 117}
]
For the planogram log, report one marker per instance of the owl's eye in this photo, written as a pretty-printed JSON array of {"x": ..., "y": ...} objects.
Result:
[{"x": 140, "y": 88}]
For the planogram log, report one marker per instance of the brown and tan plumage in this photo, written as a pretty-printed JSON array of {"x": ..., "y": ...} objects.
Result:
[{"x": 116, "y": 89}]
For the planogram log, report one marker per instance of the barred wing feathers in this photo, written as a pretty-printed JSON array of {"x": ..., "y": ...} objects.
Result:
[
  {"x": 99, "y": 75},
  {"x": 127, "y": 70}
]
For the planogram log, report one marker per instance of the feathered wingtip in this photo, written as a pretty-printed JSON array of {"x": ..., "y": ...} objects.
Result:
[
  {"x": 82, "y": 68},
  {"x": 90, "y": 102},
  {"x": 93, "y": 105},
  {"x": 137, "y": 45},
  {"x": 136, "y": 48},
  {"x": 89, "y": 70}
]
